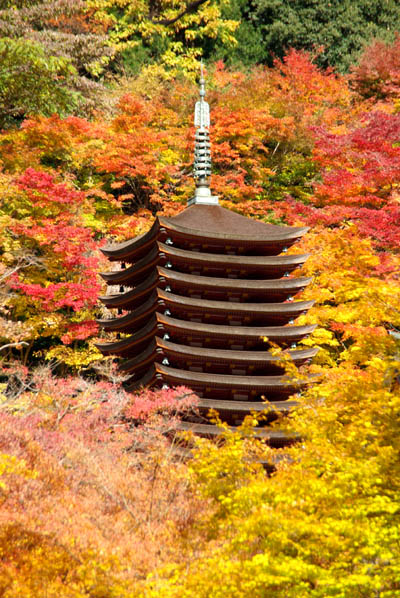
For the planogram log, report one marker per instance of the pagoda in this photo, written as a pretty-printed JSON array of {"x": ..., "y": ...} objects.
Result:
[{"x": 202, "y": 295}]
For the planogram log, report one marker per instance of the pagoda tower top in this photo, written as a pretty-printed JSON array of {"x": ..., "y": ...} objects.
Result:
[{"x": 202, "y": 150}]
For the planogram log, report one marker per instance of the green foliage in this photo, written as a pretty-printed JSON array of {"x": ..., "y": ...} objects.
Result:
[
  {"x": 341, "y": 28},
  {"x": 33, "y": 83},
  {"x": 249, "y": 48},
  {"x": 68, "y": 33}
]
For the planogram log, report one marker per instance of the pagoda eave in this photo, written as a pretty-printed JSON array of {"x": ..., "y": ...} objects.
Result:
[
  {"x": 226, "y": 406},
  {"x": 290, "y": 285},
  {"x": 268, "y": 384},
  {"x": 132, "y": 275},
  {"x": 133, "y": 298},
  {"x": 130, "y": 321},
  {"x": 141, "y": 360},
  {"x": 257, "y": 266},
  {"x": 223, "y": 356},
  {"x": 223, "y": 229},
  {"x": 133, "y": 249},
  {"x": 183, "y": 354},
  {"x": 148, "y": 379},
  {"x": 179, "y": 302},
  {"x": 273, "y": 333},
  {"x": 124, "y": 347}
]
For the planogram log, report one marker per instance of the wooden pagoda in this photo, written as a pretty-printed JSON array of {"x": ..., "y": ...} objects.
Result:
[{"x": 201, "y": 293}]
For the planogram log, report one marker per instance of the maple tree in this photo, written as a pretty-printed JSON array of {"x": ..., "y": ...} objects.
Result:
[
  {"x": 378, "y": 70},
  {"x": 50, "y": 256},
  {"x": 69, "y": 451}
]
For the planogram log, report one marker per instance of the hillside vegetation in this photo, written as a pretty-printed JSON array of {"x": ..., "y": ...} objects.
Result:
[{"x": 96, "y": 108}]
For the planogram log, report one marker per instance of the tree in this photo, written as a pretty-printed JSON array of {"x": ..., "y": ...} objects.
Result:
[
  {"x": 50, "y": 255},
  {"x": 326, "y": 524},
  {"x": 377, "y": 74},
  {"x": 57, "y": 44},
  {"x": 33, "y": 83},
  {"x": 338, "y": 29},
  {"x": 169, "y": 34},
  {"x": 72, "y": 448}
]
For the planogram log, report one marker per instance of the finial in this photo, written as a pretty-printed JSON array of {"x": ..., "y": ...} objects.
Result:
[
  {"x": 202, "y": 152},
  {"x": 202, "y": 81}
]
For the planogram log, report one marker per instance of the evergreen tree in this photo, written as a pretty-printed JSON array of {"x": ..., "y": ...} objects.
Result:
[{"x": 338, "y": 29}]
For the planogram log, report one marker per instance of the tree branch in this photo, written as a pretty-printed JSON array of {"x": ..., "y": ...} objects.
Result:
[
  {"x": 13, "y": 345},
  {"x": 192, "y": 7}
]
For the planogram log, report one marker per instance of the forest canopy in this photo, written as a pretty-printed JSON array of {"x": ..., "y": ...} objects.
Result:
[
  {"x": 65, "y": 55},
  {"x": 96, "y": 112}
]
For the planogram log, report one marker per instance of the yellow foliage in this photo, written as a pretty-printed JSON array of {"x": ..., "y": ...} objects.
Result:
[
  {"x": 326, "y": 523},
  {"x": 142, "y": 20},
  {"x": 76, "y": 357},
  {"x": 10, "y": 465}
]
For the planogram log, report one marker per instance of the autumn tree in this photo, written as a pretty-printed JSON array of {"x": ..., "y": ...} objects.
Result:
[
  {"x": 326, "y": 523},
  {"x": 53, "y": 54},
  {"x": 71, "y": 447},
  {"x": 169, "y": 34},
  {"x": 291, "y": 144},
  {"x": 50, "y": 256},
  {"x": 377, "y": 73}
]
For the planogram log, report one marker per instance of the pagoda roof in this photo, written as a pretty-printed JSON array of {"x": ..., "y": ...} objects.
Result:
[
  {"x": 133, "y": 298},
  {"x": 146, "y": 357},
  {"x": 292, "y": 308},
  {"x": 229, "y": 381},
  {"x": 134, "y": 273},
  {"x": 132, "y": 248},
  {"x": 271, "y": 436},
  {"x": 209, "y": 223},
  {"x": 293, "y": 285},
  {"x": 147, "y": 379},
  {"x": 273, "y": 333},
  {"x": 129, "y": 320},
  {"x": 124, "y": 346},
  {"x": 216, "y": 222},
  {"x": 264, "y": 264},
  {"x": 247, "y": 406},
  {"x": 218, "y": 357},
  {"x": 229, "y": 356},
  {"x": 126, "y": 322},
  {"x": 176, "y": 377}
]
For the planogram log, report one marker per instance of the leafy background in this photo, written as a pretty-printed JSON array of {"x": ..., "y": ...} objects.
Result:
[{"x": 96, "y": 102}]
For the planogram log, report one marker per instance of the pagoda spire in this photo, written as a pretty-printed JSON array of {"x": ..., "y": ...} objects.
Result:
[{"x": 202, "y": 149}]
